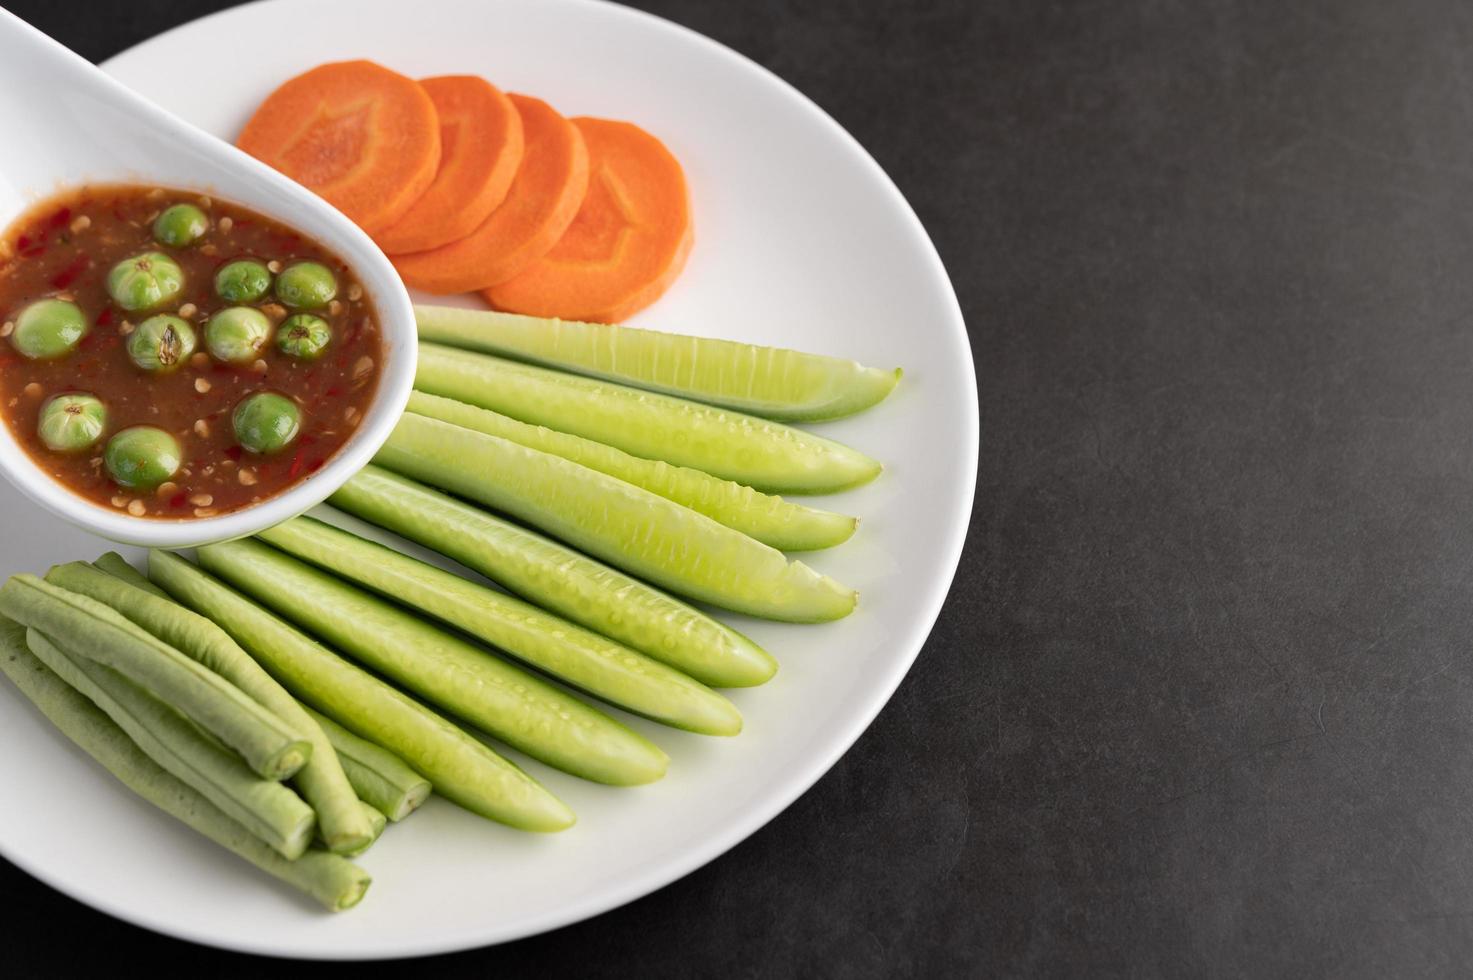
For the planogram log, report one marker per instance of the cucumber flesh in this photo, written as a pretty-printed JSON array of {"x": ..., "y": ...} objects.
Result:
[
  {"x": 772, "y": 520},
  {"x": 773, "y": 382},
  {"x": 559, "y": 579},
  {"x": 463, "y": 769},
  {"x": 525, "y": 712},
  {"x": 645, "y": 534},
  {"x": 574, "y": 655},
  {"x": 767, "y": 456}
]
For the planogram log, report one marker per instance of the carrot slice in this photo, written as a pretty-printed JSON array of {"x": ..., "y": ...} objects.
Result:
[
  {"x": 362, "y": 136},
  {"x": 480, "y": 150},
  {"x": 543, "y": 199},
  {"x": 627, "y": 244}
]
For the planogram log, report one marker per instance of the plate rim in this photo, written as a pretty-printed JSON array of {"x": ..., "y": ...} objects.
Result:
[{"x": 796, "y": 783}]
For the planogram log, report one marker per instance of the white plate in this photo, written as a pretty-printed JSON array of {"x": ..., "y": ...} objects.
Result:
[{"x": 801, "y": 241}]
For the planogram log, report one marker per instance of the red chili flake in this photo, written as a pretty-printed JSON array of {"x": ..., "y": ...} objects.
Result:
[
  {"x": 60, "y": 218},
  {"x": 333, "y": 391},
  {"x": 105, "y": 318},
  {"x": 233, "y": 452},
  {"x": 308, "y": 440},
  {"x": 295, "y": 469},
  {"x": 23, "y": 242},
  {"x": 179, "y": 499},
  {"x": 315, "y": 465},
  {"x": 69, "y": 275}
]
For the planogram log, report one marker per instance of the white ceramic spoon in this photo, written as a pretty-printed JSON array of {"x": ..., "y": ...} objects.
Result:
[{"x": 67, "y": 123}]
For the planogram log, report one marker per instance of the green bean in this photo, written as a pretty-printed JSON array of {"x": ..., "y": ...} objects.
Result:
[
  {"x": 264, "y": 807},
  {"x": 772, "y": 520},
  {"x": 329, "y": 879},
  {"x": 379, "y": 777},
  {"x": 643, "y": 533},
  {"x": 376, "y": 823},
  {"x": 577, "y": 656},
  {"x": 506, "y": 701},
  {"x": 559, "y": 579},
  {"x": 321, "y": 781},
  {"x": 462, "y": 769},
  {"x": 92, "y": 629},
  {"x": 118, "y": 567}
]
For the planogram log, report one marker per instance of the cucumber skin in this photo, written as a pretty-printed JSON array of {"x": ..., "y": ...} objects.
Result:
[
  {"x": 461, "y": 768},
  {"x": 835, "y": 387},
  {"x": 497, "y": 697},
  {"x": 645, "y": 534},
  {"x": 559, "y": 579},
  {"x": 330, "y": 879},
  {"x": 579, "y": 657},
  {"x": 766, "y": 456},
  {"x": 772, "y": 520}
]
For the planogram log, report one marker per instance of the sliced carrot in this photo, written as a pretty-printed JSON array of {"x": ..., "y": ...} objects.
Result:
[
  {"x": 480, "y": 150},
  {"x": 362, "y": 136},
  {"x": 627, "y": 244},
  {"x": 543, "y": 199}
]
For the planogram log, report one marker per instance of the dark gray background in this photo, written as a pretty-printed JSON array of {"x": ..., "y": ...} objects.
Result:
[{"x": 1200, "y": 702}]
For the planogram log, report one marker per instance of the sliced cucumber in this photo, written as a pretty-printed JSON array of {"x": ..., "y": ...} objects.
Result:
[
  {"x": 575, "y": 655},
  {"x": 558, "y": 578},
  {"x": 766, "y": 455},
  {"x": 504, "y": 700},
  {"x": 772, "y": 382},
  {"x": 462, "y": 768},
  {"x": 771, "y": 520},
  {"x": 645, "y": 534}
]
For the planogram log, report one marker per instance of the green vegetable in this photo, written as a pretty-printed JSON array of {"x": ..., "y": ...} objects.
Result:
[
  {"x": 772, "y": 382},
  {"x": 559, "y": 579},
  {"x": 145, "y": 282},
  {"x": 49, "y": 328},
  {"x": 242, "y": 281},
  {"x": 141, "y": 457},
  {"x": 161, "y": 343},
  {"x": 117, "y": 566},
  {"x": 375, "y": 821},
  {"x": 263, "y": 806},
  {"x": 71, "y": 422},
  {"x": 236, "y": 334},
  {"x": 84, "y": 626},
  {"x": 506, "y": 701},
  {"x": 306, "y": 286},
  {"x": 577, "y": 656},
  {"x": 321, "y": 780},
  {"x": 180, "y": 225},
  {"x": 336, "y": 883},
  {"x": 645, "y": 534},
  {"x": 303, "y": 336},
  {"x": 771, "y": 520},
  {"x": 766, "y": 455},
  {"x": 379, "y": 777},
  {"x": 266, "y": 422},
  {"x": 462, "y": 769}
]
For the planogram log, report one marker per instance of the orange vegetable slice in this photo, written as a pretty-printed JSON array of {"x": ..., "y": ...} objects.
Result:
[
  {"x": 628, "y": 243},
  {"x": 363, "y": 137},
  {"x": 480, "y": 151},
  {"x": 543, "y": 199}
]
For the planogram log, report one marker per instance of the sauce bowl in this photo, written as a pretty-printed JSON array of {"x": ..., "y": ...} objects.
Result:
[{"x": 69, "y": 124}]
